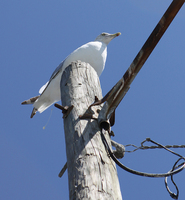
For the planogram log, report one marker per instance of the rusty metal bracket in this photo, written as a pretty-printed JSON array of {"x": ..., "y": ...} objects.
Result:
[
  {"x": 65, "y": 109},
  {"x": 92, "y": 113},
  {"x": 62, "y": 170}
]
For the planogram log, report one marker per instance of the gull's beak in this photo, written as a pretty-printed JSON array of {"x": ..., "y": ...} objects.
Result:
[
  {"x": 107, "y": 37},
  {"x": 116, "y": 34}
]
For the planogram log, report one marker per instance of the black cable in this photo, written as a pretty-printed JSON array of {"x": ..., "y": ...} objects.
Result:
[
  {"x": 173, "y": 195},
  {"x": 174, "y": 170},
  {"x": 133, "y": 171}
]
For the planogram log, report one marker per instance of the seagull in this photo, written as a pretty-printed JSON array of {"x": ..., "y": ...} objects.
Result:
[{"x": 94, "y": 53}]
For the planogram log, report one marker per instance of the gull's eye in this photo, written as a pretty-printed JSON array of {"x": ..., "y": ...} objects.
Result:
[{"x": 103, "y": 34}]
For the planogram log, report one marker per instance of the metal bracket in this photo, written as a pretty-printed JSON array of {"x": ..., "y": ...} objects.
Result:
[{"x": 65, "y": 109}]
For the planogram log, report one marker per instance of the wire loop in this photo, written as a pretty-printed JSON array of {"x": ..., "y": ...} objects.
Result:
[{"x": 174, "y": 170}]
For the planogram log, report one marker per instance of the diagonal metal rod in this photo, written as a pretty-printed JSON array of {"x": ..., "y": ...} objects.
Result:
[{"x": 116, "y": 94}]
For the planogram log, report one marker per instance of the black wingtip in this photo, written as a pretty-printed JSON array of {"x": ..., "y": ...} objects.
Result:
[
  {"x": 30, "y": 101},
  {"x": 33, "y": 112}
]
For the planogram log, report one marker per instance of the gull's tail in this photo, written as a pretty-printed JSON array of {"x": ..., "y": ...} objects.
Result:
[{"x": 31, "y": 101}]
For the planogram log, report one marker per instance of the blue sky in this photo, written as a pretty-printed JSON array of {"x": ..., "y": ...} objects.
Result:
[{"x": 35, "y": 37}]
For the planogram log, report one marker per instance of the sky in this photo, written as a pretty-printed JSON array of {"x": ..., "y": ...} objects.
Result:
[{"x": 35, "y": 36}]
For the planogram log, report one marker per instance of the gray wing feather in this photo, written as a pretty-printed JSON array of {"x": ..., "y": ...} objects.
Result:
[{"x": 57, "y": 70}]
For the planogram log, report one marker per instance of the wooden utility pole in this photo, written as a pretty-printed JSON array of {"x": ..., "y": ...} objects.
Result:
[{"x": 91, "y": 172}]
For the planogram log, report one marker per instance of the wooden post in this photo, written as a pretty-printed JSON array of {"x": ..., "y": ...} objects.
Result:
[{"x": 91, "y": 172}]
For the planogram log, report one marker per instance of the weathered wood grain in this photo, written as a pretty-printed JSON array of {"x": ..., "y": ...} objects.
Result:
[{"x": 91, "y": 173}]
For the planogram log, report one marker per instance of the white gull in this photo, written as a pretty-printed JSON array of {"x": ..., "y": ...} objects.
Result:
[{"x": 94, "y": 53}]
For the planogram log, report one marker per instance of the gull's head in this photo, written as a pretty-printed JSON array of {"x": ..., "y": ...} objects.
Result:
[{"x": 106, "y": 37}]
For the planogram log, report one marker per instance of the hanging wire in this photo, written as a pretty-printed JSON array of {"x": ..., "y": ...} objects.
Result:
[
  {"x": 175, "y": 169},
  {"x": 143, "y": 147}
]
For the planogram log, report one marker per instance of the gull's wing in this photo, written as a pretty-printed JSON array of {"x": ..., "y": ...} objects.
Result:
[
  {"x": 31, "y": 100},
  {"x": 57, "y": 70},
  {"x": 43, "y": 88},
  {"x": 54, "y": 74}
]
